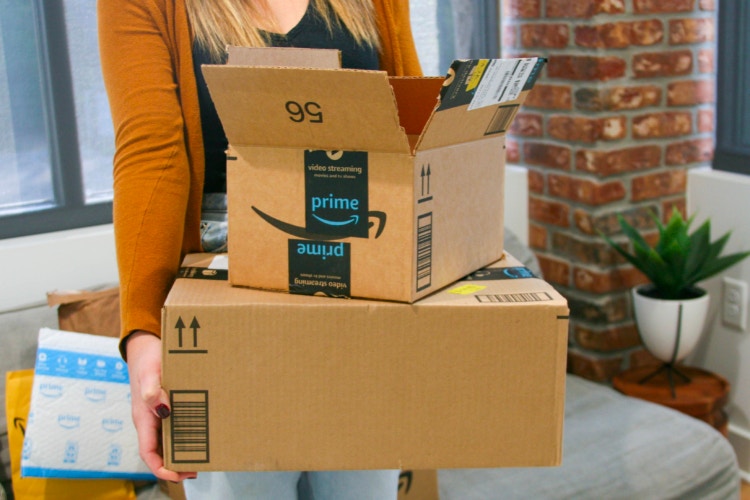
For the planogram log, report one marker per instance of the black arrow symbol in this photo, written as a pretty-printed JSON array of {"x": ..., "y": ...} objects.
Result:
[
  {"x": 423, "y": 175},
  {"x": 194, "y": 325},
  {"x": 180, "y": 325}
]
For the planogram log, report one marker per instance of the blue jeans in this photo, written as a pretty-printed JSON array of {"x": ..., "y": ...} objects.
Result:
[{"x": 326, "y": 485}]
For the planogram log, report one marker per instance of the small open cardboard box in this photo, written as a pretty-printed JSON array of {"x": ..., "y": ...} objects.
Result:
[
  {"x": 471, "y": 376},
  {"x": 353, "y": 183}
]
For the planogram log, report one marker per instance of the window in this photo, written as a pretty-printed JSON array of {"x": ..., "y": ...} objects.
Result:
[
  {"x": 733, "y": 89},
  {"x": 55, "y": 132},
  {"x": 56, "y": 138},
  {"x": 445, "y": 30}
]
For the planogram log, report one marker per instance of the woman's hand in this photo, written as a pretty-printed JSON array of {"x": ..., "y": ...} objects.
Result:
[{"x": 149, "y": 402}]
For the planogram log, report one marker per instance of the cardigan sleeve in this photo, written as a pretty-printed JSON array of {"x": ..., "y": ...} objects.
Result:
[
  {"x": 398, "y": 53},
  {"x": 151, "y": 169}
]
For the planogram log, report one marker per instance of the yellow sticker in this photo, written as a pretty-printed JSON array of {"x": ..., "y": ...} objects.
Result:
[
  {"x": 467, "y": 289},
  {"x": 476, "y": 74}
]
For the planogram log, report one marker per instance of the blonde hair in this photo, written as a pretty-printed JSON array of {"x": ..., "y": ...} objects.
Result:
[{"x": 218, "y": 23}]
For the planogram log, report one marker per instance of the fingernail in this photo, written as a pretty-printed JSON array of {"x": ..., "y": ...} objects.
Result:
[{"x": 163, "y": 411}]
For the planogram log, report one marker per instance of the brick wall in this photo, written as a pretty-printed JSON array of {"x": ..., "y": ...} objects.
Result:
[{"x": 623, "y": 109}]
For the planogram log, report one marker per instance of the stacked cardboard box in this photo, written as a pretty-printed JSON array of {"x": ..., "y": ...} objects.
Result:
[
  {"x": 470, "y": 376},
  {"x": 354, "y": 184}
]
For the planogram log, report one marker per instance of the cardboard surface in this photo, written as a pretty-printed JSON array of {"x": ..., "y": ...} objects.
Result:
[
  {"x": 351, "y": 183},
  {"x": 471, "y": 376}
]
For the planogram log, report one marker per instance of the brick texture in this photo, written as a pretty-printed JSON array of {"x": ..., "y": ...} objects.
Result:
[
  {"x": 623, "y": 108},
  {"x": 584, "y": 250},
  {"x": 692, "y": 151},
  {"x": 593, "y": 368},
  {"x": 549, "y": 97},
  {"x": 537, "y": 237},
  {"x": 549, "y": 212},
  {"x": 658, "y": 185},
  {"x": 606, "y": 163},
  {"x": 667, "y": 124},
  {"x": 586, "y": 68},
  {"x": 682, "y": 31},
  {"x": 589, "y": 130},
  {"x": 522, "y": 9},
  {"x": 619, "y": 35},
  {"x": 613, "y": 338},
  {"x": 554, "y": 270},
  {"x": 662, "y": 6},
  {"x": 617, "y": 98},
  {"x": 638, "y": 216},
  {"x": 690, "y": 92},
  {"x": 512, "y": 151},
  {"x": 583, "y": 8},
  {"x": 547, "y": 155},
  {"x": 602, "y": 310},
  {"x": 656, "y": 64},
  {"x": 584, "y": 190},
  {"x": 706, "y": 58},
  {"x": 545, "y": 35},
  {"x": 536, "y": 181},
  {"x": 612, "y": 280},
  {"x": 705, "y": 120},
  {"x": 528, "y": 125}
]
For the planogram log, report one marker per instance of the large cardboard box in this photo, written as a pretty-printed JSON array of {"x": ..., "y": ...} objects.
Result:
[
  {"x": 471, "y": 376},
  {"x": 354, "y": 183}
]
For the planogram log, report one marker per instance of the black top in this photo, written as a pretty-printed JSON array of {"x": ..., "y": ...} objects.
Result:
[{"x": 310, "y": 32}]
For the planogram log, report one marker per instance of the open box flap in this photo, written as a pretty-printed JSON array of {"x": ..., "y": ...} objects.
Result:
[
  {"x": 306, "y": 108},
  {"x": 416, "y": 98},
  {"x": 479, "y": 98},
  {"x": 283, "y": 56}
]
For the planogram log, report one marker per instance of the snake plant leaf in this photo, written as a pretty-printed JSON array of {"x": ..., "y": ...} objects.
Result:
[
  {"x": 720, "y": 264},
  {"x": 700, "y": 241},
  {"x": 679, "y": 259}
]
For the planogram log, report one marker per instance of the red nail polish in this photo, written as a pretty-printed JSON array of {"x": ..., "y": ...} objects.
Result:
[{"x": 163, "y": 411}]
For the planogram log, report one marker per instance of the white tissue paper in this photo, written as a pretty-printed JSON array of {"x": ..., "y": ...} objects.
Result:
[{"x": 79, "y": 423}]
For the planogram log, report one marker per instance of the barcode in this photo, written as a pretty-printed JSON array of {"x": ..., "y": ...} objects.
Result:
[
  {"x": 502, "y": 119},
  {"x": 424, "y": 251},
  {"x": 189, "y": 430},
  {"x": 515, "y": 297},
  {"x": 502, "y": 88}
]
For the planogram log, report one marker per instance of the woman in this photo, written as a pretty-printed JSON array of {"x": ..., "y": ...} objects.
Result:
[{"x": 169, "y": 150}]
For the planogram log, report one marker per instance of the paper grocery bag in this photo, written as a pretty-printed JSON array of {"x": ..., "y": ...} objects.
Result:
[
  {"x": 88, "y": 311},
  {"x": 17, "y": 400}
]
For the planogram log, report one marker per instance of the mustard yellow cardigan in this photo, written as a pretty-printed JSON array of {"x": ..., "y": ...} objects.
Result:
[{"x": 146, "y": 55}]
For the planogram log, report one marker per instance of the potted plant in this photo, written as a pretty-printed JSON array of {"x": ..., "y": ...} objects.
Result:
[{"x": 670, "y": 310}]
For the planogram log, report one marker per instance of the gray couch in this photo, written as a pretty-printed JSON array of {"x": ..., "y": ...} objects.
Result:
[{"x": 615, "y": 447}]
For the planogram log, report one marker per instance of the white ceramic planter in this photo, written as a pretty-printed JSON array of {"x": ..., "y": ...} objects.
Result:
[{"x": 658, "y": 322}]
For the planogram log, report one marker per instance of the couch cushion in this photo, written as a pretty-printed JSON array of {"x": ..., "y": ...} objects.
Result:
[{"x": 614, "y": 447}]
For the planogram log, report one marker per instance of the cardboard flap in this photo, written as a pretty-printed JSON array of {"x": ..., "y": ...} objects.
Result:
[
  {"x": 416, "y": 98},
  {"x": 479, "y": 98},
  {"x": 283, "y": 56},
  {"x": 306, "y": 108}
]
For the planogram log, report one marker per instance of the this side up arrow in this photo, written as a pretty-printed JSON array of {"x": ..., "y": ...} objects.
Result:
[
  {"x": 194, "y": 325},
  {"x": 179, "y": 325}
]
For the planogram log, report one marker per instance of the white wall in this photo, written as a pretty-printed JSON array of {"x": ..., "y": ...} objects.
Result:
[
  {"x": 725, "y": 199},
  {"x": 65, "y": 260}
]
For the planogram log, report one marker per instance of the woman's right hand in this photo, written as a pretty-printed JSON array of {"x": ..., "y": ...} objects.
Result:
[{"x": 149, "y": 402}]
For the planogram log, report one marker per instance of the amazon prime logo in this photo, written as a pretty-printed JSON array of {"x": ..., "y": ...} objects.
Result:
[{"x": 336, "y": 193}]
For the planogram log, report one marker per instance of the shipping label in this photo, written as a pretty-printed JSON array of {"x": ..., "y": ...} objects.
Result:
[{"x": 483, "y": 82}]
